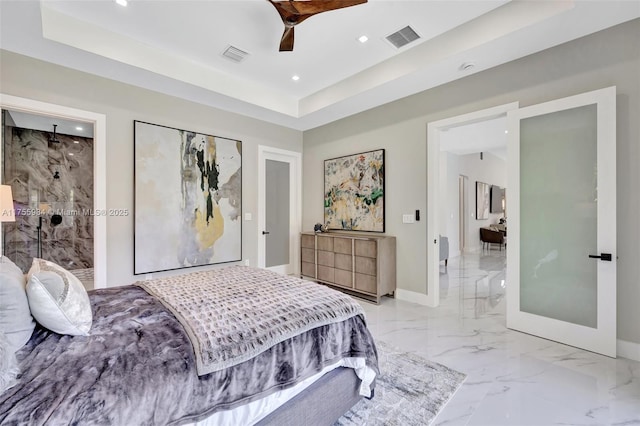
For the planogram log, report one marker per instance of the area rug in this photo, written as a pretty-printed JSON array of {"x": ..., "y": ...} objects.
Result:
[{"x": 410, "y": 390}]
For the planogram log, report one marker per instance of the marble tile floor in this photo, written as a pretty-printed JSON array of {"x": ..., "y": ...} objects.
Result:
[{"x": 512, "y": 378}]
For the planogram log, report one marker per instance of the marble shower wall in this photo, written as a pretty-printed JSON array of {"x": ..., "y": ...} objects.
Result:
[{"x": 49, "y": 179}]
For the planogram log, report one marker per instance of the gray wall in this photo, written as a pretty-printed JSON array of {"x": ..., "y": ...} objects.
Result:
[
  {"x": 610, "y": 57},
  {"x": 122, "y": 103}
]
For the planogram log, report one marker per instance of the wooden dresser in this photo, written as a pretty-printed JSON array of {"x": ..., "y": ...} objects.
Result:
[{"x": 363, "y": 265}]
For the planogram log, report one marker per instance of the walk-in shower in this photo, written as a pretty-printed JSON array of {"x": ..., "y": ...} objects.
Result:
[{"x": 49, "y": 164}]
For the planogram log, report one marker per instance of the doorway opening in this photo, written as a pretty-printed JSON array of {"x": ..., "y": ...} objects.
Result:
[
  {"x": 48, "y": 163},
  {"x": 46, "y": 197},
  {"x": 456, "y": 144},
  {"x": 279, "y": 209}
]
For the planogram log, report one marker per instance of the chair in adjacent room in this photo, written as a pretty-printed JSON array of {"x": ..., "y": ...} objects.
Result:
[{"x": 490, "y": 236}]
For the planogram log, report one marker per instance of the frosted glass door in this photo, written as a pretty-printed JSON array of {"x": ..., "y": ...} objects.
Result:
[
  {"x": 277, "y": 207},
  {"x": 562, "y": 215}
]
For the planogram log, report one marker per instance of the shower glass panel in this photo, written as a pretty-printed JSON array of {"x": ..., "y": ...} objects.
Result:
[{"x": 48, "y": 162}]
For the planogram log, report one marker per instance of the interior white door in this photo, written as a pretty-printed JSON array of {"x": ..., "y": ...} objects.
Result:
[
  {"x": 278, "y": 218},
  {"x": 562, "y": 221}
]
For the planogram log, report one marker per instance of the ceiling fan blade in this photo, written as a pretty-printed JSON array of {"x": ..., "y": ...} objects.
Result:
[
  {"x": 311, "y": 7},
  {"x": 286, "y": 44},
  {"x": 293, "y": 12}
]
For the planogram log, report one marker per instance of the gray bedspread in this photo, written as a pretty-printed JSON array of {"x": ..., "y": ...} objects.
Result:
[
  {"x": 232, "y": 314},
  {"x": 137, "y": 367}
]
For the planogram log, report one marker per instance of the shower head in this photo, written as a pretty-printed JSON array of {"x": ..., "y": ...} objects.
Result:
[
  {"x": 56, "y": 220},
  {"x": 53, "y": 139}
]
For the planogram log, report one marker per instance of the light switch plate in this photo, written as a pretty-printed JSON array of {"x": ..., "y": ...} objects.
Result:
[
  {"x": 247, "y": 216},
  {"x": 408, "y": 218}
]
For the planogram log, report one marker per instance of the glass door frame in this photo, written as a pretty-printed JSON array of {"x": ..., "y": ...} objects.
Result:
[{"x": 601, "y": 339}]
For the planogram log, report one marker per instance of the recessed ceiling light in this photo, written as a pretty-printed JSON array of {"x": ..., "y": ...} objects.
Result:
[
  {"x": 76, "y": 141},
  {"x": 71, "y": 154},
  {"x": 295, "y": 78},
  {"x": 79, "y": 128},
  {"x": 506, "y": 131},
  {"x": 363, "y": 39},
  {"x": 122, "y": 2}
]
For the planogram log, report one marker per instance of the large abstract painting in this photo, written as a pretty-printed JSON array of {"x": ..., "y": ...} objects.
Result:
[
  {"x": 187, "y": 199},
  {"x": 354, "y": 192}
]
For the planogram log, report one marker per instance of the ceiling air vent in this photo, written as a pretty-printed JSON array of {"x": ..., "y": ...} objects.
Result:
[
  {"x": 234, "y": 54},
  {"x": 403, "y": 37}
]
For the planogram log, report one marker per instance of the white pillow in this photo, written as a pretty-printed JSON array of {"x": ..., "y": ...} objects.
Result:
[
  {"x": 15, "y": 317},
  {"x": 58, "y": 300},
  {"x": 8, "y": 364}
]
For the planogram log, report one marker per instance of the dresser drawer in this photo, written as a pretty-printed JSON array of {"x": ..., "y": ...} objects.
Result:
[
  {"x": 366, "y": 283},
  {"x": 325, "y": 243},
  {"x": 366, "y": 248},
  {"x": 308, "y": 255},
  {"x": 343, "y": 261},
  {"x": 344, "y": 278},
  {"x": 342, "y": 245},
  {"x": 308, "y": 241},
  {"x": 308, "y": 269},
  {"x": 325, "y": 273},
  {"x": 325, "y": 258},
  {"x": 366, "y": 265}
]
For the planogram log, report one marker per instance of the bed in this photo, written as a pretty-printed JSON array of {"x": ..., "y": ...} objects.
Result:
[{"x": 145, "y": 361}]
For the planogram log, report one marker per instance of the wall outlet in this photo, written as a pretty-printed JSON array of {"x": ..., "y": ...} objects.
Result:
[
  {"x": 148, "y": 277},
  {"x": 408, "y": 218},
  {"x": 246, "y": 262}
]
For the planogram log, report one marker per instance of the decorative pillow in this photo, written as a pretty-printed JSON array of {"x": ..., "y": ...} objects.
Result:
[
  {"x": 7, "y": 265},
  {"x": 15, "y": 317},
  {"x": 8, "y": 364},
  {"x": 58, "y": 300}
]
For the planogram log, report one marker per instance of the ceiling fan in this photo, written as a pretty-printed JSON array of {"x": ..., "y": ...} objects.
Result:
[{"x": 293, "y": 12}]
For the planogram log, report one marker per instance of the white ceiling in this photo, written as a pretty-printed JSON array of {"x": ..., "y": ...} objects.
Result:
[
  {"x": 44, "y": 123},
  {"x": 175, "y": 46},
  {"x": 482, "y": 136}
]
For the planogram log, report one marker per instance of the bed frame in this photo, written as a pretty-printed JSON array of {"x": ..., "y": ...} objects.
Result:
[{"x": 322, "y": 403}]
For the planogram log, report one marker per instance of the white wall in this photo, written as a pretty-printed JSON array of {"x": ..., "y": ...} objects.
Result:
[
  {"x": 491, "y": 170},
  {"x": 610, "y": 57},
  {"x": 122, "y": 103}
]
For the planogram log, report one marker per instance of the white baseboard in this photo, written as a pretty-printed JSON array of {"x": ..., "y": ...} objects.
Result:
[
  {"x": 628, "y": 350},
  {"x": 412, "y": 296}
]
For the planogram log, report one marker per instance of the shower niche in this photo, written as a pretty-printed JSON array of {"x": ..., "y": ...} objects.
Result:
[{"x": 49, "y": 164}]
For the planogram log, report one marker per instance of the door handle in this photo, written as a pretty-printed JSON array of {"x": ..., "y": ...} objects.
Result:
[
  {"x": 265, "y": 232},
  {"x": 603, "y": 256}
]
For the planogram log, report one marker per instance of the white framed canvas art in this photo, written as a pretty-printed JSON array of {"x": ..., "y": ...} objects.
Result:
[{"x": 188, "y": 199}]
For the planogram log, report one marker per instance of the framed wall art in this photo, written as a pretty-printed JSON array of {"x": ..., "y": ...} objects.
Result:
[
  {"x": 188, "y": 195},
  {"x": 482, "y": 200},
  {"x": 354, "y": 192}
]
